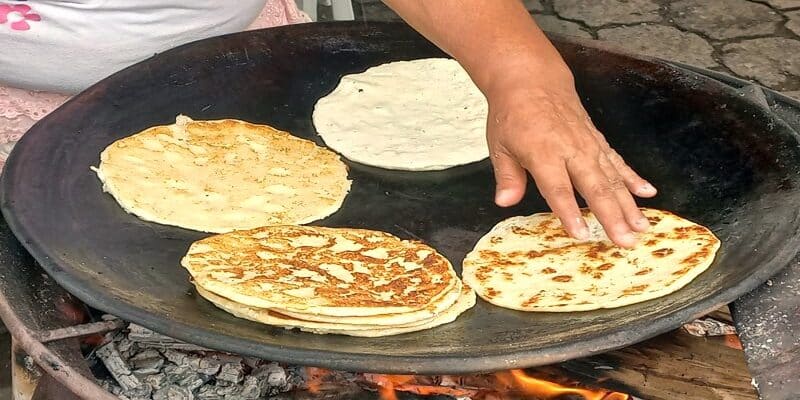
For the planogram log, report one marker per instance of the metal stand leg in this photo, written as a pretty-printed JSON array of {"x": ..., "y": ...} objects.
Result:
[
  {"x": 343, "y": 10},
  {"x": 309, "y": 7}
]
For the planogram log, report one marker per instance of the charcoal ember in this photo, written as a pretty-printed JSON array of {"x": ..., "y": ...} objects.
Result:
[
  {"x": 144, "y": 391},
  {"x": 124, "y": 345},
  {"x": 179, "y": 373},
  {"x": 173, "y": 392},
  {"x": 228, "y": 389},
  {"x": 208, "y": 392},
  {"x": 106, "y": 384},
  {"x": 273, "y": 378},
  {"x": 193, "y": 382},
  {"x": 225, "y": 358},
  {"x": 118, "y": 368},
  {"x": 253, "y": 388},
  {"x": 204, "y": 365},
  {"x": 146, "y": 354},
  {"x": 233, "y": 373},
  {"x": 296, "y": 375},
  {"x": 147, "y": 362},
  {"x": 176, "y": 357},
  {"x": 174, "y": 369},
  {"x": 185, "y": 376},
  {"x": 709, "y": 327},
  {"x": 219, "y": 392},
  {"x": 116, "y": 390},
  {"x": 252, "y": 362},
  {"x": 149, "y": 339},
  {"x": 156, "y": 381}
]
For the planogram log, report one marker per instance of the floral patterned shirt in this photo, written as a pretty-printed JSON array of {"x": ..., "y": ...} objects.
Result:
[{"x": 67, "y": 45}]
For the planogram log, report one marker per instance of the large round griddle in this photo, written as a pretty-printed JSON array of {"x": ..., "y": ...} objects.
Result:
[{"x": 717, "y": 158}]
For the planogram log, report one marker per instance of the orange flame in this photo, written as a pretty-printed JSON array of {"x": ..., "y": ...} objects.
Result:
[
  {"x": 389, "y": 385},
  {"x": 549, "y": 390},
  {"x": 386, "y": 384},
  {"x": 490, "y": 386},
  {"x": 314, "y": 378}
]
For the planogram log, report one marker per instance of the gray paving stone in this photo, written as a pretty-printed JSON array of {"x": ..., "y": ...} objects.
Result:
[
  {"x": 775, "y": 62},
  {"x": 783, "y": 4},
  {"x": 661, "y": 41},
  {"x": 550, "y": 23},
  {"x": 603, "y": 12},
  {"x": 534, "y": 5},
  {"x": 725, "y": 19},
  {"x": 794, "y": 21}
]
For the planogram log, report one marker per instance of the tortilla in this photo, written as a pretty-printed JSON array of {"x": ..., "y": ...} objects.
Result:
[
  {"x": 224, "y": 175},
  {"x": 466, "y": 300},
  {"x": 413, "y": 317},
  {"x": 531, "y": 264},
  {"x": 327, "y": 271},
  {"x": 419, "y": 115}
]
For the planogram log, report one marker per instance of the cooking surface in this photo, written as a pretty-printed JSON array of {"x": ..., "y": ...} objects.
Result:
[{"x": 719, "y": 159}]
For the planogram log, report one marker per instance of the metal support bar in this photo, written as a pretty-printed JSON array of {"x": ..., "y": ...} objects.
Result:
[
  {"x": 66, "y": 374},
  {"x": 78, "y": 330}
]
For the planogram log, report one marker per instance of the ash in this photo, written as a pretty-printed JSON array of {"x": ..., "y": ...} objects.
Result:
[{"x": 144, "y": 365}]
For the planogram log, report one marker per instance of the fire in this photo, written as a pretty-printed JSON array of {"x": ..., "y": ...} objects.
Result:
[
  {"x": 314, "y": 378},
  {"x": 500, "y": 385},
  {"x": 549, "y": 390},
  {"x": 389, "y": 385}
]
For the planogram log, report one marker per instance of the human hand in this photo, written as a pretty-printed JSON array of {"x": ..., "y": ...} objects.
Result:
[{"x": 537, "y": 123}]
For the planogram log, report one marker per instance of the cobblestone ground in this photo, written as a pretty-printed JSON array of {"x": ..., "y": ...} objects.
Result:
[{"x": 754, "y": 40}]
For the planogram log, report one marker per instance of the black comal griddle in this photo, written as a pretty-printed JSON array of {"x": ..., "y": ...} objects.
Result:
[{"x": 718, "y": 157}]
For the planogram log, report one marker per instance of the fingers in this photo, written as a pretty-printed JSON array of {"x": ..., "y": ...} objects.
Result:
[
  {"x": 601, "y": 194},
  {"x": 511, "y": 179},
  {"x": 633, "y": 181},
  {"x": 553, "y": 182},
  {"x": 634, "y": 217}
]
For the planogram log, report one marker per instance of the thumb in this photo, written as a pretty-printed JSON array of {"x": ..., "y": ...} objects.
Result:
[{"x": 511, "y": 179}]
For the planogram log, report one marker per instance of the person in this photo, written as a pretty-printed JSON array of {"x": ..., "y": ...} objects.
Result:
[{"x": 536, "y": 123}]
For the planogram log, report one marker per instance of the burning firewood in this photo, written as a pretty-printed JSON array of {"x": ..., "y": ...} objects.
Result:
[{"x": 145, "y": 365}]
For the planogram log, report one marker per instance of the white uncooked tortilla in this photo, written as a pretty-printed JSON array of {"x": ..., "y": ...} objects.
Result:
[{"x": 420, "y": 115}]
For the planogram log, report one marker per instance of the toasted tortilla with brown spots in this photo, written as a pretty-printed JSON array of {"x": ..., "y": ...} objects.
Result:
[
  {"x": 553, "y": 272},
  {"x": 464, "y": 295},
  {"x": 325, "y": 271}
]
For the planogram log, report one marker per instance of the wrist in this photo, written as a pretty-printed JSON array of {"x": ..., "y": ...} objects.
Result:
[
  {"x": 550, "y": 74},
  {"x": 504, "y": 68}
]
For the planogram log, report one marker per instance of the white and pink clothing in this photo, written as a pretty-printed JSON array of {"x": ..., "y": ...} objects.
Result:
[{"x": 55, "y": 48}]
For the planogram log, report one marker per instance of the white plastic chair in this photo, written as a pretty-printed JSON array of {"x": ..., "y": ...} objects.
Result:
[{"x": 342, "y": 9}]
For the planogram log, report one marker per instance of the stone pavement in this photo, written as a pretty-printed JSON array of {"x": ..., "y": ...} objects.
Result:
[{"x": 758, "y": 40}]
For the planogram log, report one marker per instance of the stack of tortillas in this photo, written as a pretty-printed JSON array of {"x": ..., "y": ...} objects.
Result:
[
  {"x": 530, "y": 263},
  {"x": 223, "y": 175},
  {"x": 328, "y": 280}
]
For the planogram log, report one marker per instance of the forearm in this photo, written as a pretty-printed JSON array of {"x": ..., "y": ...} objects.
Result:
[{"x": 488, "y": 38}]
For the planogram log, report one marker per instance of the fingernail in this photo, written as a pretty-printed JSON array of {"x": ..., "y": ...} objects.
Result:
[
  {"x": 582, "y": 233},
  {"x": 648, "y": 188},
  {"x": 501, "y": 197},
  {"x": 643, "y": 222}
]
